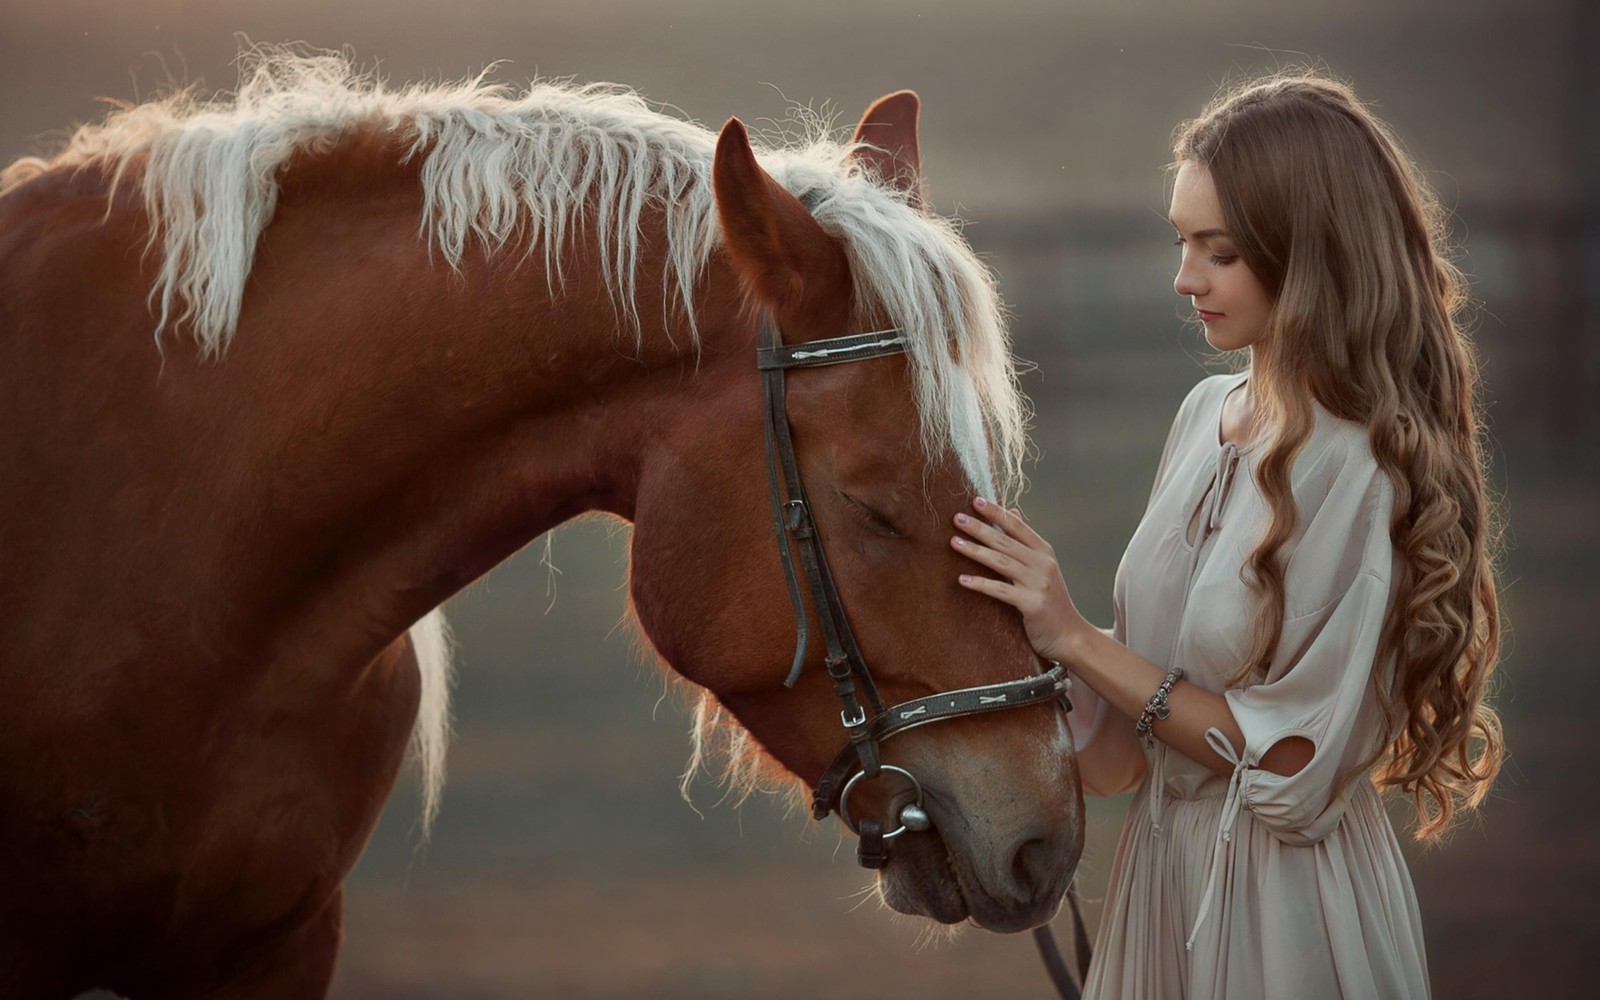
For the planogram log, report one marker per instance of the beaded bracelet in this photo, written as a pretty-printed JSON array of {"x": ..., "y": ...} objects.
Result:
[{"x": 1157, "y": 707}]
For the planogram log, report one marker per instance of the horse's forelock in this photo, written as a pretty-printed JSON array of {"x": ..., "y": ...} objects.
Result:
[{"x": 924, "y": 277}]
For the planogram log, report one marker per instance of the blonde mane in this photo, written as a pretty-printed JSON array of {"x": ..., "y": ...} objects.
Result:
[{"x": 538, "y": 167}]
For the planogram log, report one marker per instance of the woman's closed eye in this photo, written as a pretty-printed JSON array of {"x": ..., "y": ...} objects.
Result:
[{"x": 1218, "y": 258}]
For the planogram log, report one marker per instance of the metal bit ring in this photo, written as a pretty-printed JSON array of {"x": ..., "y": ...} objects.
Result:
[{"x": 917, "y": 820}]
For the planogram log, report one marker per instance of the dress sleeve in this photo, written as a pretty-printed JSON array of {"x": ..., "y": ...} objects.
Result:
[{"x": 1320, "y": 685}]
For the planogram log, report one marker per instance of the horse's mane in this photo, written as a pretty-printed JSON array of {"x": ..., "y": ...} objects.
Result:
[
  {"x": 498, "y": 165},
  {"x": 538, "y": 167}
]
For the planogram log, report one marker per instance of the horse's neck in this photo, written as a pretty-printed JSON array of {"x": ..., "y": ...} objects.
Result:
[
  {"x": 380, "y": 431},
  {"x": 420, "y": 423},
  {"x": 490, "y": 409}
]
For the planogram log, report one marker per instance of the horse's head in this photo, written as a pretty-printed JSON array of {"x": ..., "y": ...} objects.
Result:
[{"x": 889, "y": 448}]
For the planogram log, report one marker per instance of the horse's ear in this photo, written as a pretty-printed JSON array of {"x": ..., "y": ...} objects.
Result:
[
  {"x": 889, "y": 130},
  {"x": 794, "y": 267}
]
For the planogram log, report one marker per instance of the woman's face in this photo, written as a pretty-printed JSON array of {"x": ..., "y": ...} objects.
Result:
[{"x": 1227, "y": 297}]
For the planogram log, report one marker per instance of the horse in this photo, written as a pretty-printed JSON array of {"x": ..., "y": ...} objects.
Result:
[{"x": 282, "y": 370}]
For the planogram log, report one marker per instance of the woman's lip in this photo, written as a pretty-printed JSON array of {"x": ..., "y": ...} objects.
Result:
[{"x": 1205, "y": 316}]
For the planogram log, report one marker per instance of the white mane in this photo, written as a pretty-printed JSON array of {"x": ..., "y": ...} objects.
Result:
[{"x": 540, "y": 167}]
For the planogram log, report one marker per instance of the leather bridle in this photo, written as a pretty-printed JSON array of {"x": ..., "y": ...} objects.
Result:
[{"x": 859, "y": 760}]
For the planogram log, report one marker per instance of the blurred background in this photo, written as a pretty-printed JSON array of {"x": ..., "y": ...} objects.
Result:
[{"x": 564, "y": 863}]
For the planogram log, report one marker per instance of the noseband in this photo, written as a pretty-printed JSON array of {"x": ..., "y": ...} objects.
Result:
[{"x": 859, "y": 760}]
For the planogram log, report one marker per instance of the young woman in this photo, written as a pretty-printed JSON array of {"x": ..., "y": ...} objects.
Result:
[{"x": 1307, "y": 611}]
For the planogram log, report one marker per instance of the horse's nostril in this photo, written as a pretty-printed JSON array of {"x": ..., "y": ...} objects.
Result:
[{"x": 1031, "y": 867}]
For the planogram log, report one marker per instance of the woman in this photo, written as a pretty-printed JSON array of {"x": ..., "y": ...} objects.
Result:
[{"x": 1307, "y": 612}]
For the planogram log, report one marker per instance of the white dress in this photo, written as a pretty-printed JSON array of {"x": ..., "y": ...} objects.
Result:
[{"x": 1258, "y": 885}]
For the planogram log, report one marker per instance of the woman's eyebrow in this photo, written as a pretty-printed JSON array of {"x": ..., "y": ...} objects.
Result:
[{"x": 1203, "y": 234}]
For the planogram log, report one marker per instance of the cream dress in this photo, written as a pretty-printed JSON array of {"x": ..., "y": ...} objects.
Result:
[{"x": 1255, "y": 885}]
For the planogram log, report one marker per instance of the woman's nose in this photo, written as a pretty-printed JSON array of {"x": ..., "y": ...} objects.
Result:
[{"x": 1188, "y": 282}]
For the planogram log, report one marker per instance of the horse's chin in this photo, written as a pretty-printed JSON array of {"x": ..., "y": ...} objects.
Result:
[{"x": 923, "y": 879}]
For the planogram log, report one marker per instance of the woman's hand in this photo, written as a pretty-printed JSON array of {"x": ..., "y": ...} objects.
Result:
[{"x": 999, "y": 540}]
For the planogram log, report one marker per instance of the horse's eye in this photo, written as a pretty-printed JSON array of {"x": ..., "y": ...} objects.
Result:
[{"x": 875, "y": 520}]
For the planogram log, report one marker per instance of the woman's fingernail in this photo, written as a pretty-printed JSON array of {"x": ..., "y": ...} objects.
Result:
[
  {"x": 965, "y": 578},
  {"x": 961, "y": 519},
  {"x": 980, "y": 502},
  {"x": 961, "y": 543}
]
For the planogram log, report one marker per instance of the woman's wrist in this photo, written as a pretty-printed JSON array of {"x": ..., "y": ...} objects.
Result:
[{"x": 1076, "y": 646}]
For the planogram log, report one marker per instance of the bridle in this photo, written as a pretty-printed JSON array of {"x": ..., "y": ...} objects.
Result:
[{"x": 859, "y": 760}]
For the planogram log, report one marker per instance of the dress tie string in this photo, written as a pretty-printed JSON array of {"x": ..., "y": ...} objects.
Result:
[
  {"x": 1221, "y": 485},
  {"x": 1230, "y": 813},
  {"x": 1158, "y": 785}
]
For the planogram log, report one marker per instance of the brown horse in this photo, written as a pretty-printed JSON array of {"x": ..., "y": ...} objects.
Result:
[{"x": 281, "y": 372}]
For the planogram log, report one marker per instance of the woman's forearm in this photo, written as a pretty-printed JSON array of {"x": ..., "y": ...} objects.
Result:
[{"x": 1127, "y": 680}]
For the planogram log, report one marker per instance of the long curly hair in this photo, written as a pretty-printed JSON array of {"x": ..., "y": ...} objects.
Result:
[{"x": 1340, "y": 228}]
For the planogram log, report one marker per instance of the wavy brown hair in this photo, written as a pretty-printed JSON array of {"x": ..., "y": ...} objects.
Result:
[{"x": 1349, "y": 242}]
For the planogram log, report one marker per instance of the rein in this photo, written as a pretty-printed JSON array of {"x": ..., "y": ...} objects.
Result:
[{"x": 860, "y": 760}]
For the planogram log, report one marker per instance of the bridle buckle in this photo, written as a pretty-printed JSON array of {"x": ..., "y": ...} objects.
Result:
[{"x": 797, "y": 519}]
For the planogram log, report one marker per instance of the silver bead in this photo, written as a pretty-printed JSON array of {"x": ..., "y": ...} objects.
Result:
[{"x": 914, "y": 817}]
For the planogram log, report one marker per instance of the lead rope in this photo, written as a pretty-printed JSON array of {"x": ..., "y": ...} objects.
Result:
[{"x": 1050, "y": 953}]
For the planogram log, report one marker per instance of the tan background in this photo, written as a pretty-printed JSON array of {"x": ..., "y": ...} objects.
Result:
[{"x": 564, "y": 864}]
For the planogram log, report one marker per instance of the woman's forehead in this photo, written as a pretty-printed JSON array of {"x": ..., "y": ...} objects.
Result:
[{"x": 1196, "y": 210}]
